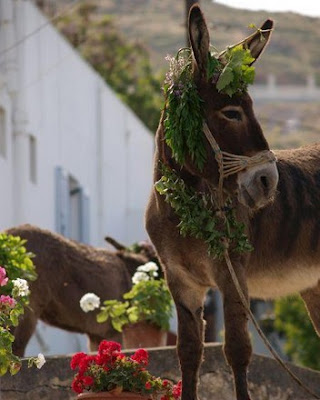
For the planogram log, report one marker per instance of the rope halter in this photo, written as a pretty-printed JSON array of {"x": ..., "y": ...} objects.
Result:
[{"x": 230, "y": 164}]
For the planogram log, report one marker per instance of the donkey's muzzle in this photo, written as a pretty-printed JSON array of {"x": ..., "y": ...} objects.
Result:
[{"x": 257, "y": 185}]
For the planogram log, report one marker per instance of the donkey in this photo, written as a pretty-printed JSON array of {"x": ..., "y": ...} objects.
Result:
[
  {"x": 66, "y": 271},
  {"x": 277, "y": 201}
]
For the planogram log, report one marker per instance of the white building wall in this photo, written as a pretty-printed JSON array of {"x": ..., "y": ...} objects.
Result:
[
  {"x": 114, "y": 168},
  {"x": 78, "y": 124},
  {"x": 6, "y": 196},
  {"x": 137, "y": 189}
]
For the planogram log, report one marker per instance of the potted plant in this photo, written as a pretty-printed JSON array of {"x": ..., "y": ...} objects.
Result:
[
  {"x": 144, "y": 314},
  {"x": 16, "y": 269},
  {"x": 110, "y": 374}
]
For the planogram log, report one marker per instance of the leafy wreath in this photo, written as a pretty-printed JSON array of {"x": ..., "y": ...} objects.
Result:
[{"x": 183, "y": 125}]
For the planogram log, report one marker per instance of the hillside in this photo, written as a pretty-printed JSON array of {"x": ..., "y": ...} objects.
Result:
[
  {"x": 292, "y": 55},
  {"x": 293, "y": 52}
]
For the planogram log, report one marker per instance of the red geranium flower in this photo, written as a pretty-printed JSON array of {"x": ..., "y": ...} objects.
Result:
[
  {"x": 109, "y": 348},
  {"x": 141, "y": 356},
  {"x": 111, "y": 370},
  {"x": 176, "y": 390},
  {"x": 77, "y": 385},
  {"x": 75, "y": 360},
  {"x": 87, "y": 380},
  {"x": 85, "y": 362},
  {"x": 103, "y": 359}
]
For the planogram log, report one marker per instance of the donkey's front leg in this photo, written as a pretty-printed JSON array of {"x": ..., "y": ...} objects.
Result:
[
  {"x": 188, "y": 298},
  {"x": 237, "y": 346}
]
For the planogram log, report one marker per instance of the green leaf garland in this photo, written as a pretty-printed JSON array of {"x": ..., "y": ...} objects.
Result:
[
  {"x": 198, "y": 218},
  {"x": 237, "y": 73},
  {"x": 184, "y": 113},
  {"x": 232, "y": 71}
]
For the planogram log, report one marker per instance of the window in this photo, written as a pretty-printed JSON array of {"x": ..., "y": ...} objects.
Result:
[
  {"x": 79, "y": 212},
  {"x": 33, "y": 159},
  {"x": 3, "y": 137},
  {"x": 74, "y": 220},
  {"x": 72, "y": 207}
]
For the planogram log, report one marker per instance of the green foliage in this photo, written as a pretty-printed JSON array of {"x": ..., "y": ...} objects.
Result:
[
  {"x": 116, "y": 311},
  {"x": 184, "y": 115},
  {"x": 126, "y": 375},
  {"x": 149, "y": 300},
  {"x": 237, "y": 73},
  {"x": 16, "y": 260},
  {"x": 123, "y": 64},
  {"x": 213, "y": 66},
  {"x": 15, "y": 263},
  {"x": 8, "y": 361},
  {"x": 302, "y": 343},
  {"x": 198, "y": 218}
]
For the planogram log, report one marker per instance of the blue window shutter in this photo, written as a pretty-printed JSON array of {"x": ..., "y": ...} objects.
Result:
[
  {"x": 62, "y": 202},
  {"x": 84, "y": 216}
]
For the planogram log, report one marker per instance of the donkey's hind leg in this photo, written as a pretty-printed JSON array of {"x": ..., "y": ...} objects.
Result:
[
  {"x": 237, "y": 346},
  {"x": 23, "y": 332},
  {"x": 311, "y": 298},
  {"x": 188, "y": 298}
]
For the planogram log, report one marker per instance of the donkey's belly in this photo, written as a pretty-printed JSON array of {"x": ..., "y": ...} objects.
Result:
[{"x": 282, "y": 281}]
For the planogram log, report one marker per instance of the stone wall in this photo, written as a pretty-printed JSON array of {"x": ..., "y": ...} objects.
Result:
[{"x": 268, "y": 381}]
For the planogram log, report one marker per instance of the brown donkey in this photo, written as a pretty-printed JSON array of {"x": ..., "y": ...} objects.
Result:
[
  {"x": 277, "y": 201},
  {"x": 66, "y": 271}
]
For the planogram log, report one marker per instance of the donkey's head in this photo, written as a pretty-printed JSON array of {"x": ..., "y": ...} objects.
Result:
[{"x": 229, "y": 115}]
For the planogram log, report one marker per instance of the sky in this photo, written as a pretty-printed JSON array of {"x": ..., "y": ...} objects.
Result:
[{"x": 306, "y": 7}]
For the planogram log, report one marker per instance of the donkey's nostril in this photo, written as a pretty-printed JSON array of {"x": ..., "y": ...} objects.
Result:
[{"x": 264, "y": 181}]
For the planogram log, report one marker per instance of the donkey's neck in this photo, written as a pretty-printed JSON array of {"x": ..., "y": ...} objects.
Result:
[{"x": 293, "y": 219}]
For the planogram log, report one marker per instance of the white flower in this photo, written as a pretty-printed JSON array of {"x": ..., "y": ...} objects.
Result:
[
  {"x": 139, "y": 277},
  {"x": 40, "y": 361},
  {"x": 89, "y": 302},
  {"x": 148, "y": 267},
  {"x": 21, "y": 286}
]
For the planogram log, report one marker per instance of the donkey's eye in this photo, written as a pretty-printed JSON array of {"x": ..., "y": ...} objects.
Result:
[{"x": 232, "y": 114}]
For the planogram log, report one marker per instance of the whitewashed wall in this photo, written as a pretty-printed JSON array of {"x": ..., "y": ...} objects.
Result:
[{"x": 79, "y": 124}]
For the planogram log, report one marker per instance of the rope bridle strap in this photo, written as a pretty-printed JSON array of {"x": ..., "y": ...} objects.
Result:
[{"x": 229, "y": 164}]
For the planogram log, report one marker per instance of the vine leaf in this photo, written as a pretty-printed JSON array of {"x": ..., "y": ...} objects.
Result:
[{"x": 225, "y": 78}]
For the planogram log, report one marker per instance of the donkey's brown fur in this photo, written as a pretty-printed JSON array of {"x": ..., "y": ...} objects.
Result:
[
  {"x": 285, "y": 233},
  {"x": 66, "y": 271}
]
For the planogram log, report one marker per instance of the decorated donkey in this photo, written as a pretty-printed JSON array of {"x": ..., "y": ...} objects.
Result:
[
  {"x": 66, "y": 271},
  {"x": 218, "y": 191}
]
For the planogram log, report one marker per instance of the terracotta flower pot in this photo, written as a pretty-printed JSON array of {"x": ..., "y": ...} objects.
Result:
[
  {"x": 143, "y": 334},
  {"x": 111, "y": 396}
]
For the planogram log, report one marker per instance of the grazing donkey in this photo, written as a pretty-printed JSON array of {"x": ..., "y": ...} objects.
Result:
[
  {"x": 278, "y": 202},
  {"x": 66, "y": 271}
]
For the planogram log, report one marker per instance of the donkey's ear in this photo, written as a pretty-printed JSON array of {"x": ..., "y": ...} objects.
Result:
[
  {"x": 257, "y": 42},
  {"x": 199, "y": 38}
]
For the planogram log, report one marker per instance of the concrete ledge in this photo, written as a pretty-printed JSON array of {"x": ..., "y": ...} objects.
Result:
[{"x": 268, "y": 381}]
